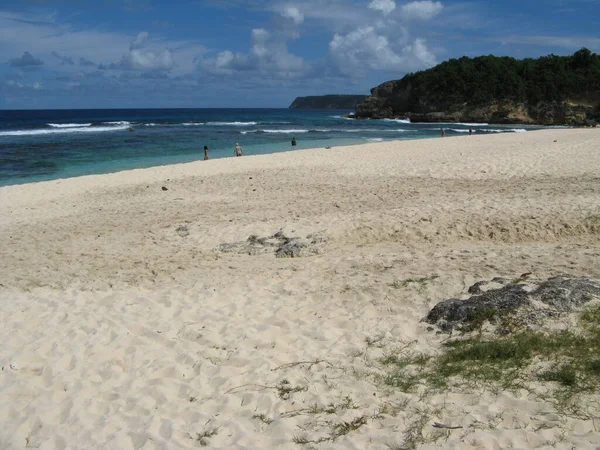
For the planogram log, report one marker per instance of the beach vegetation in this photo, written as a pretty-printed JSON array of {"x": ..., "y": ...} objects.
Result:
[
  {"x": 263, "y": 418},
  {"x": 567, "y": 362},
  {"x": 203, "y": 438},
  {"x": 285, "y": 389},
  {"x": 336, "y": 430}
]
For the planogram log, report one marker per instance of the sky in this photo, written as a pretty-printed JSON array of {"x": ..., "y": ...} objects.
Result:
[{"x": 57, "y": 54}]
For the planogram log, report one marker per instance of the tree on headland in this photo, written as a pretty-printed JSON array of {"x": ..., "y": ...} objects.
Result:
[{"x": 489, "y": 78}]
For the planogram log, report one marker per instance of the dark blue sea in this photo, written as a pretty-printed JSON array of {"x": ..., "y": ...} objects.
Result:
[{"x": 45, "y": 145}]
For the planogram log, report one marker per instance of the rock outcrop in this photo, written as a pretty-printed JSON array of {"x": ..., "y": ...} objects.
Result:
[
  {"x": 281, "y": 245},
  {"x": 379, "y": 106},
  {"x": 525, "y": 300}
]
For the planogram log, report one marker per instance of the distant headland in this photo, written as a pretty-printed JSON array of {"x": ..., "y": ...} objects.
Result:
[
  {"x": 551, "y": 90},
  {"x": 328, "y": 102}
]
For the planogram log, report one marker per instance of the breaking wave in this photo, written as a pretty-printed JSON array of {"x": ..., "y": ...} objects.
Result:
[
  {"x": 62, "y": 130},
  {"x": 278, "y": 131},
  {"x": 233, "y": 124},
  {"x": 397, "y": 120},
  {"x": 69, "y": 125},
  {"x": 121, "y": 123}
]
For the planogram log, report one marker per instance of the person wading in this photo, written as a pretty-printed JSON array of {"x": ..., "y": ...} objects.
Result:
[{"x": 237, "y": 151}]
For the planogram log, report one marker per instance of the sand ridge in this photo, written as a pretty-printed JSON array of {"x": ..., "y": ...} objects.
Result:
[{"x": 128, "y": 334}]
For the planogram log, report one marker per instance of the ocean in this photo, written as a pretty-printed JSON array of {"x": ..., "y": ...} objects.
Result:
[{"x": 45, "y": 145}]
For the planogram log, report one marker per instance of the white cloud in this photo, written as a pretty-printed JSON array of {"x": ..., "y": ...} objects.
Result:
[
  {"x": 149, "y": 60},
  {"x": 268, "y": 54},
  {"x": 43, "y": 36},
  {"x": 421, "y": 10},
  {"x": 568, "y": 42},
  {"x": 364, "y": 49},
  {"x": 140, "y": 40},
  {"x": 260, "y": 40},
  {"x": 16, "y": 84},
  {"x": 332, "y": 14},
  {"x": 385, "y": 6},
  {"x": 142, "y": 58},
  {"x": 292, "y": 12}
]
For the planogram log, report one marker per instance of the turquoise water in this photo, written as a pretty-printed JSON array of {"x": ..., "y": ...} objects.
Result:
[{"x": 46, "y": 145}]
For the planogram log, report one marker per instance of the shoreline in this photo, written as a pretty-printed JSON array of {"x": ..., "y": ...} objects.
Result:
[
  {"x": 200, "y": 160},
  {"x": 138, "y": 317},
  {"x": 184, "y": 159}
]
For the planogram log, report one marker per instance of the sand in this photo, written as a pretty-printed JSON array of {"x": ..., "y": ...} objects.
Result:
[{"x": 124, "y": 327}]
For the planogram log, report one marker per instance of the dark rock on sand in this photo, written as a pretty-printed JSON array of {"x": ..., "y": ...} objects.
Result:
[
  {"x": 283, "y": 246},
  {"x": 291, "y": 249},
  {"x": 182, "y": 231},
  {"x": 526, "y": 299}
]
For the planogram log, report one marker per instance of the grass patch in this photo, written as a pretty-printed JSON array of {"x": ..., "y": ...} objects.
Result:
[
  {"x": 591, "y": 317},
  {"x": 337, "y": 430},
  {"x": 333, "y": 408},
  {"x": 507, "y": 361},
  {"x": 404, "y": 366},
  {"x": 264, "y": 419},
  {"x": 565, "y": 375},
  {"x": 285, "y": 389},
  {"x": 401, "y": 361},
  {"x": 203, "y": 438},
  {"x": 480, "y": 317}
]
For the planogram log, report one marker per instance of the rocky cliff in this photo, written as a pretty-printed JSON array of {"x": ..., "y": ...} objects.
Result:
[{"x": 549, "y": 91}]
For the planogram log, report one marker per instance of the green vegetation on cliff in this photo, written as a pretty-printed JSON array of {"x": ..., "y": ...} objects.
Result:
[
  {"x": 550, "y": 90},
  {"x": 489, "y": 78},
  {"x": 328, "y": 102}
]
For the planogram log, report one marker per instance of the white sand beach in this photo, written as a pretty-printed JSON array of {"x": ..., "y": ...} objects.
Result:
[{"x": 125, "y": 326}]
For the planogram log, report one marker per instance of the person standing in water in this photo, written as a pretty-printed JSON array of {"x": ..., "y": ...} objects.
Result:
[
  {"x": 443, "y": 132},
  {"x": 237, "y": 151},
  {"x": 205, "y": 153},
  {"x": 470, "y": 130},
  {"x": 293, "y": 142}
]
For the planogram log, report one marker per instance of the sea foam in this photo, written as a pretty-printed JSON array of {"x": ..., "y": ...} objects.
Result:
[
  {"x": 69, "y": 125},
  {"x": 232, "y": 124},
  {"x": 61, "y": 131},
  {"x": 276, "y": 131},
  {"x": 397, "y": 120}
]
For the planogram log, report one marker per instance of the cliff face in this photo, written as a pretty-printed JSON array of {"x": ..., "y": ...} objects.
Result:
[
  {"x": 388, "y": 103},
  {"x": 551, "y": 90},
  {"x": 328, "y": 102}
]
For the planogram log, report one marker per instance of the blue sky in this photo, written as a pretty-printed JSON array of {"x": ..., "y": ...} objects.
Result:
[{"x": 258, "y": 53}]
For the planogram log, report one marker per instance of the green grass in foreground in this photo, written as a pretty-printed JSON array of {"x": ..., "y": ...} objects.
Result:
[{"x": 571, "y": 359}]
